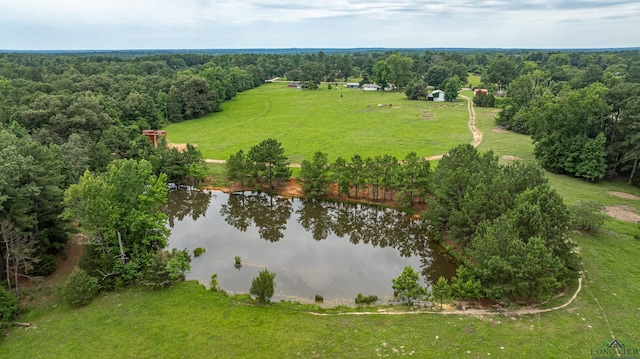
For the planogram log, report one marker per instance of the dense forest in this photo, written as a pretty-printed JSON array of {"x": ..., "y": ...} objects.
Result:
[{"x": 70, "y": 125}]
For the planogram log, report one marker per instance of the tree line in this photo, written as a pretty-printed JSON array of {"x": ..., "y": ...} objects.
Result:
[
  {"x": 580, "y": 108},
  {"x": 381, "y": 177},
  {"x": 590, "y": 132},
  {"x": 582, "y": 117}
]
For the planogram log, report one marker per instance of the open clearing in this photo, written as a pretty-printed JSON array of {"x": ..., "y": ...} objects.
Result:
[
  {"x": 625, "y": 195},
  {"x": 623, "y": 213},
  {"x": 310, "y": 121}
]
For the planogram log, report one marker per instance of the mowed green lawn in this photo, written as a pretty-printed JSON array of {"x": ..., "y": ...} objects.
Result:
[
  {"x": 310, "y": 121},
  {"x": 189, "y": 322}
]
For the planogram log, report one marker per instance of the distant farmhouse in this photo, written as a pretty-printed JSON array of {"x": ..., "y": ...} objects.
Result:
[
  {"x": 295, "y": 85},
  {"x": 352, "y": 85},
  {"x": 376, "y": 87},
  {"x": 438, "y": 96},
  {"x": 478, "y": 92}
]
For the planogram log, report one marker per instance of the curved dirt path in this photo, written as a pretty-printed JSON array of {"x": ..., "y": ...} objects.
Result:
[
  {"x": 477, "y": 135},
  {"x": 521, "y": 311}
]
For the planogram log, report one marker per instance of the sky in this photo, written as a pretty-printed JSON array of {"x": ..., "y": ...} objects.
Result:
[{"x": 243, "y": 24}]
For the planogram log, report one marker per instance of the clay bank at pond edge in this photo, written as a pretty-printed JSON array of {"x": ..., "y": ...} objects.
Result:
[{"x": 332, "y": 249}]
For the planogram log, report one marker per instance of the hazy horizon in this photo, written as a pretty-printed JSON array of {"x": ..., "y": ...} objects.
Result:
[{"x": 315, "y": 49}]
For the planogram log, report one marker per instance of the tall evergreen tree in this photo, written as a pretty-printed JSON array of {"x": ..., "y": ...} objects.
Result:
[
  {"x": 269, "y": 161},
  {"x": 315, "y": 174},
  {"x": 238, "y": 168}
]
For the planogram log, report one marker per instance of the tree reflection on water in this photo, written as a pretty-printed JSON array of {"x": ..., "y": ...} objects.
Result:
[
  {"x": 186, "y": 201},
  {"x": 317, "y": 247},
  {"x": 377, "y": 226}
]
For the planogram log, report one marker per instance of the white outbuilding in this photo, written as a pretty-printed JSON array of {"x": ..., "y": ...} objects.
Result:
[
  {"x": 438, "y": 96},
  {"x": 371, "y": 87}
]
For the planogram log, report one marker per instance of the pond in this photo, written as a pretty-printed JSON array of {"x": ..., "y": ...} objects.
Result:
[{"x": 332, "y": 249}]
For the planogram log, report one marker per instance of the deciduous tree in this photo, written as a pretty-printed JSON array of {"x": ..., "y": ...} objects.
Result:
[
  {"x": 190, "y": 97},
  {"x": 399, "y": 69},
  {"x": 502, "y": 71},
  {"x": 451, "y": 87},
  {"x": 416, "y": 90},
  {"x": 121, "y": 209},
  {"x": 568, "y": 133},
  {"x": 381, "y": 73}
]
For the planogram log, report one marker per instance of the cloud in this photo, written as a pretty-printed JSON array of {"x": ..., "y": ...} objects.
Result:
[
  {"x": 294, "y": 23},
  {"x": 194, "y": 12}
]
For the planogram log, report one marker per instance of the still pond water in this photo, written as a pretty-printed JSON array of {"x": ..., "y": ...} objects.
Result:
[{"x": 332, "y": 249}]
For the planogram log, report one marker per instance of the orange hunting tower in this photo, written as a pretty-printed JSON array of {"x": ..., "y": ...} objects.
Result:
[{"x": 155, "y": 136}]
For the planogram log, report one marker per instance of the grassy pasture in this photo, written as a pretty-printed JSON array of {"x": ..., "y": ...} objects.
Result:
[
  {"x": 187, "y": 321},
  {"x": 474, "y": 80},
  {"x": 310, "y": 121}
]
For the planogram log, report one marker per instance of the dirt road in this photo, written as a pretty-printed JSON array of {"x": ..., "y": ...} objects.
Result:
[{"x": 477, "y": 135}]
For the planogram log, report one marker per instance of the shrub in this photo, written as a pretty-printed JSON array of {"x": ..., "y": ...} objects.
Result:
[
  {"x": 125, "y": 273},
  {"x": 45, "y": 266},
  {"x": 199, "y": 251},
  {"x": 237, "y": 259},
  {"x": 80, "y": 288},
  {"x": 94, "y": 262},
  {"x": 179, "y": 263},
  {"x": 214, "y": 285},
  {"x": 9, "y": 307},
  {"x": 483, "y": 100},
  {"x": 263, "y": 285},
  {"x": 587, "y": 215},
  {"x": 369, "y": 299},
  {"x": 157, "y": 274},
  {"x": 407, "y": 285},
  {"x": 441, "y": 289},
  {"x": 464, "y": 285},
  {"x": 164, "y": 268},
  {"x": 319, "y": 298}
]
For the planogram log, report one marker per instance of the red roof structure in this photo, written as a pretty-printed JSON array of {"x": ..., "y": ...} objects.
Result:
[{"x": 155, "y": 136}]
